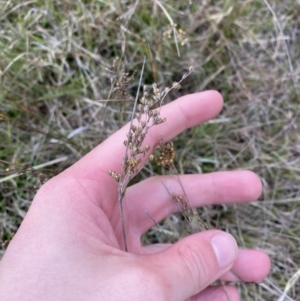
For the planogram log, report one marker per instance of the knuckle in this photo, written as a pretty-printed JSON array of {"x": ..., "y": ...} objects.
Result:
[
  {"x": 185, "y": 117},
  {"x": 195, "y": 264}
]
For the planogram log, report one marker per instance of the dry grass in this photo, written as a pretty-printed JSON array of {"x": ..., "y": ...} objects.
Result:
[{"x": 56, "y": 64}]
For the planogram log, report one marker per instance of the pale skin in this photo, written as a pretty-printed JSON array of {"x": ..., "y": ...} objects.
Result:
[{"x": 70, "y": 244}]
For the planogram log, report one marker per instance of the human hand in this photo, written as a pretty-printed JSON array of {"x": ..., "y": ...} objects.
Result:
[{"x": 70, "y": 244}]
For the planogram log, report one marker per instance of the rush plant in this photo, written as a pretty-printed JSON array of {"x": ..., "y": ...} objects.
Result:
[{"x": 145, "y": 115}]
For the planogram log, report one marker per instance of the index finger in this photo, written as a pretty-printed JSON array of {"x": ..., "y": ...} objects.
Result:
[
  {"x": 185, "y": 112},
  {"x": 91, "y": 172}
]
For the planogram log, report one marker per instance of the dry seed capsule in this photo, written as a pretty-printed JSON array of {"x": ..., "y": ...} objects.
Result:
[
  {"x": 150, "y": 103},
  {"x": 143, "y": 123},
  {"x": 134, "y": 150},
  {"x": 158, "y": 121},
  {"x": 176, "y": 85},
  {"x": 146, "y": 108},
  {"x": 129, "y": 137},
  {"x": 155, "y": 113},
  {"x": 138, "y": 116}
]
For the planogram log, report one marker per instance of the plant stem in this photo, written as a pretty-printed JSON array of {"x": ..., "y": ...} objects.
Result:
[
  {"x": 125, "y": 177},
  {"x": 120, "y": 201}
]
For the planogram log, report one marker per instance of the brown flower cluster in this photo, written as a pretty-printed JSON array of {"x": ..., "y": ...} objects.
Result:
[
  {"x": 190, "y": 214},
  {"x": 120, "y": 81},
  {"x": 164, "y": 154},
  {"x": 147, "y": 115}
]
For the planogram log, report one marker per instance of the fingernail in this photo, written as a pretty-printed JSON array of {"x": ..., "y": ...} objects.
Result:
[{"x": 225, "y": 248}]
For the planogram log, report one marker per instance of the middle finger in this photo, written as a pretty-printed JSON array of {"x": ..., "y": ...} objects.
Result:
[{"x": 152, "y": 197}]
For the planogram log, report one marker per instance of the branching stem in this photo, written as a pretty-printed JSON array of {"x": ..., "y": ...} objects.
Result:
[{"x": 124, "y": 178}]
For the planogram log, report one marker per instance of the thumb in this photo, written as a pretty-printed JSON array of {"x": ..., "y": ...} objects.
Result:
[{"x": 194, "y": 262}]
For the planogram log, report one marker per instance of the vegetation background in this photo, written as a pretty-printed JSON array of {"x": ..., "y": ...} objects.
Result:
[{"x": 57, "y": 71}]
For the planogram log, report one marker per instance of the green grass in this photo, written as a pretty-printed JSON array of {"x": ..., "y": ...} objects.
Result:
[{"x": 55, "y": 58}]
